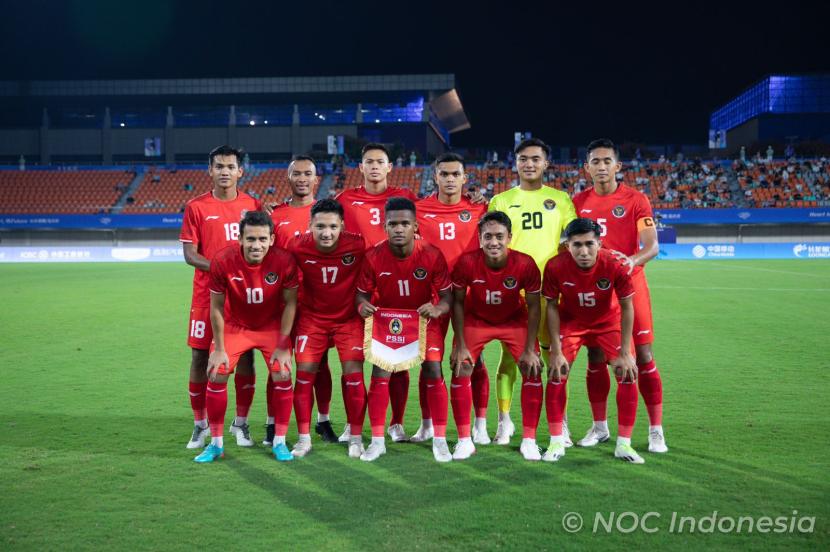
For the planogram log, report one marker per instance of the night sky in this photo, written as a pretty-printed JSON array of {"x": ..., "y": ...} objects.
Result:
[{"x": 568, "y": 74}]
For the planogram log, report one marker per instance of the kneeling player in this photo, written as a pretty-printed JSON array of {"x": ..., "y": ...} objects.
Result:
[
  {"x": 257, "y": 279},
  {"x": 585, "y": 282},
  {"x": 330, "y": 261},
  {"x": 494, "y": 310},
  {"x": 405, "y": 273}
]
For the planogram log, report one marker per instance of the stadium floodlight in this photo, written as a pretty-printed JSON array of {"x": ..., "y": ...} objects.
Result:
[{"x": 252, "y": 123}]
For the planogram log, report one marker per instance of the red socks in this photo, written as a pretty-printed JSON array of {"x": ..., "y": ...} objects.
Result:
[
  {"x": 354, "y": 396},
  {"x": 398, "y": 394},
  {"x": 281, "y": 402},
  {"x": 531, "y": 405},
  {"x": 322, "y": 386},
  {"x": 461, "y": 396},
  {"x": 216, "y": 402},
  {"x": 480, "y": 380},
  {"x": 651, "y": 388},
  {"x": 599, "y": 385},
  {"x": 304, "y": 400},
  {"x": 626, "y": 407},
  {"x": 245, "y": 387},
  {"x": 556, "y": 400},
  {"x": 422, "y": 398},
  {"x": 197, "y": 399},
  {"x": 438, "y": 405},
  {"x": 378, "y": 403}
]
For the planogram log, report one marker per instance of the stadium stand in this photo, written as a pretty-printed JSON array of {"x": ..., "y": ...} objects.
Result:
[
  {"x": 669, "y": 185},
  {"x": 83, "y": 191}
]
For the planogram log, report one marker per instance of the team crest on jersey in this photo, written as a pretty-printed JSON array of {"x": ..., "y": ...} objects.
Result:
[
  {"x": 603, "y": 283},
  {"x": 549, "y": 204},
  {"x": 618, "y": 211},
  {"x": 465, "y": 216},
  {"x": 348, "y": 259},
  {"x": 396, "y": 326},
  {"x": 509, "y": 282},
  {"x": 420, "y": 273},
  {"x": 271, "y": 278}
]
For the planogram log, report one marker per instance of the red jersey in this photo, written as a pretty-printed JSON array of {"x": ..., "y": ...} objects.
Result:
[
  {"x": 363, "y": 212},
  {"x": 253, "y": 292},
  {"x": 494, "y": 294},
  {"x": 451, "y": 228},
  {"x": 329, "y": 278},
  {"x": 404, "y": 283},
  {"x": 211, "y": 225},
  {"x": 588, "y": 301},
  {"x": 290, "y": 221},
  {"x": 621, "y": 215}
]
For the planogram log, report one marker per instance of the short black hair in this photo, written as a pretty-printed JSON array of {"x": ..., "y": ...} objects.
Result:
[
  {"x": 496, "y": 216},
  {"x": 529, "y": 143},
  {"x": 327, "y": 205},
  {"x": 582, "y": 226},
  {"x": 303, "y": 158},
  {"x": 450, "y": 157},
  {"x": 225, "y": 150},
  {"x": 399, "y": 204},
  {"x": 374, "y": 146},
  {"x": 256, "y": 218},
  {"x": 603, "y": 143}
]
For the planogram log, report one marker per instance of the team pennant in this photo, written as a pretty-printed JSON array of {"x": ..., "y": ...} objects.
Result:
[{"x": 395, "y": 340}]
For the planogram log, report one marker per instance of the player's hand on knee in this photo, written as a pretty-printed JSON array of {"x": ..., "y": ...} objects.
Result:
[
  {"x": 215, "y": 360},
  {"x": 558, "y": 367},
  {"x": 463, "y": 362},
  {"x": 625, "y": 368},
  {"x": 530, "y": 364}
]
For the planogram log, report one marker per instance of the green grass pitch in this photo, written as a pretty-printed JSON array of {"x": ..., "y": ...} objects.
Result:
[{"x": 95, "y": 417}]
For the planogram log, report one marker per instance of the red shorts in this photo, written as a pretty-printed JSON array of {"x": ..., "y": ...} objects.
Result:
[
  {"x": 313, "y": 337},
  {"x": 643, "y": 331},
  {"x": 239, "y": 341},
  {"x": 512, "y": 338},
  {"x": 200, "y": 332},
  {"x": 608, "y": 341},
  {"x": 435, "y": 341}
]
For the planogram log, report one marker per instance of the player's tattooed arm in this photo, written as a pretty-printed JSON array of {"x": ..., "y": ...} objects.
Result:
[
  {"x": 217, "y": 322},
  {"x": 624, "y": 365},
  {"x": 428, "y": 310},
  {"x": 557, "y": 365},
  {"x": 192, "y": 257},
  {"x": 461, "y": 360},
  {"x": 364, "y": 307}
]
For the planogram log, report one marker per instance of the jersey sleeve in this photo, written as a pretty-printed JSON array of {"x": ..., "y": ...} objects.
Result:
[
  {"x": 623, "y": 286},
  {"x": 460, "y": 278},
  {"x": 218, "y": 281},
  {"x": 532, "y": 277},
  {"x": 291, "y": 279},
  {"x": 550, "y": 285},
  {"x": 568, "y": 212},
  {"x": 190, "y": 226},
  {"x": 366, "y": 278},
  {"x": 440, "y": 276},
  {"x": 642, "y": 213},
  {"x": 495, "y": 203}
]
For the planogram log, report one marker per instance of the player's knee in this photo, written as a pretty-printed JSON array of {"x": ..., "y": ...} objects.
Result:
[
  {"x": 216, "y": 377},
  {"x": 380, "y": 373},
  {"x": 352, "y": 367},
  {"x": 644, "y": 355},
  {"x": 432, "y": 369},
  {"x": 245, "y": 366},
  {"x": 311, "y": 367}
]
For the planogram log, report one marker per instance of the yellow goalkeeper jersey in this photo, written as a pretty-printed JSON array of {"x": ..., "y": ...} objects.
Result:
[{"x": 538, "y": 218}]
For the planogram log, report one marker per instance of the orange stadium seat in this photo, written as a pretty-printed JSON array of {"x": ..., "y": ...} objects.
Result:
[{"x": 61, "y": 191}]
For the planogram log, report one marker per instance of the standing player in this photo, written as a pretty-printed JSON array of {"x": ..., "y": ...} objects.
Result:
[
  {"x": 330, "y": 261},
  {"x": 539, "y": 213},
  {"x": 290, "y": 220},
  {"x": 406, "y": 273},
  {"x": 260, "y": 284},
  {"x": 625, "y": 217},
  {"x": 596, "y": 309},
  {"x": 448, "y": 221},
  {"x": 495, "y": 310},
  {"x": 363, "y": 214},
  {"x": 211, "y": 222}
]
